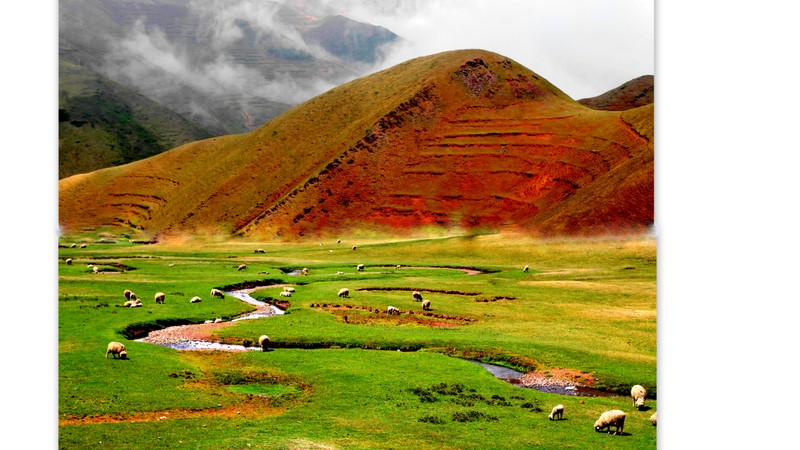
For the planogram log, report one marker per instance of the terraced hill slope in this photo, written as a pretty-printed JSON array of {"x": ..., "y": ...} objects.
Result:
[
  {"x": 637, "y": 92},
  {"x": 466, "y": 139}
]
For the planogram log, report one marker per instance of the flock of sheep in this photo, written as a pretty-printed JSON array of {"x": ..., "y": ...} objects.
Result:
[{"x": 613, "y": 418}]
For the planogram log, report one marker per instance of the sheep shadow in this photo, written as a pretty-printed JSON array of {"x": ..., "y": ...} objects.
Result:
[{"x": 645, "y": 408}]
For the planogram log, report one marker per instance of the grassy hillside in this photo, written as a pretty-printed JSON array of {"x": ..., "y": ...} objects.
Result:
[
  {"x": 585, "y": 311},
  {"x": 462, "y": 139}
]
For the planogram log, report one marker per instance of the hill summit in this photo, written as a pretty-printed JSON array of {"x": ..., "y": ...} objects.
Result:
[{"x": 461, "y": 139}]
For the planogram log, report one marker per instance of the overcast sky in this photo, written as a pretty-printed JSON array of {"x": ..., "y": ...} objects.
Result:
[{"x": 584, "y": 47}]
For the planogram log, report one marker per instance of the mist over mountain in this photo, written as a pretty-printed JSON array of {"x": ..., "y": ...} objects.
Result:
[{"x": 225, "y": 67}]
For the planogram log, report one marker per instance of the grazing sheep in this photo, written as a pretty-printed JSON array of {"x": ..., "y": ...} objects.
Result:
[
  {"x": 73, "y": 245},
  {"x": 127, "y": 294},
  {"x": 217, "y": 320},
  {"x": 258, "y": 250},
  {"x": 338, "y": 241},
  {"x": 288, "y": 289},
  {"x": 344, "y": 293},
  {"x": 172, "y": 265},
  {"x": 339, "y": 273},
  {"x": 556, "y": 413},
  {"x": 525, "y": 269},
  {"x": 285, "y": 294},
  {"x": 217, "y": 293},
  {"x": 160, "y": 296},
  {"x": 360, "y": 267},
  {"x": 95, "y": 269},
  {"x": 209, "y": 321},
  {"x": 304, "y": 271},
  {"x": 392, "y": 310},
  {"x": 195, "y": 299},
  {"x": 653, "y": 419},
  {"x": 242, "y": 267},
  {"x": 614, "y": 418},
  {"x": 263, "y": 342},
  {"x": 68, "y": 261},
  {"x": 116, "y": 349},
  {"x": 83, "y": 245},
  {"x": 417, "y": 296},
  {"x": 637, "y": 394},
  {"x": 354, "y": 247},
  {"x": 398, "y": 267},
  {"x": 426, "y": 305}
]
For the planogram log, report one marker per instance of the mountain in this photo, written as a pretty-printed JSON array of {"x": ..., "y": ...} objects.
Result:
[
  {"x": 103, "y": 123},
  {"x": 462, "y": 139},
  {"x": 637, "y": 92},
  {"x": 219, "y": 67}
]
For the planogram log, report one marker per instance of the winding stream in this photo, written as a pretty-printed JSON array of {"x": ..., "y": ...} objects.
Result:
[{"x": 266, "y": 310}]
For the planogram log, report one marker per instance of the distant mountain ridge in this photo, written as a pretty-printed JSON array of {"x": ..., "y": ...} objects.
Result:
[
  {"x": 465, "y": 139},
  {"x": 222, "y": 71},
  {"x": 632, "y": 94}
]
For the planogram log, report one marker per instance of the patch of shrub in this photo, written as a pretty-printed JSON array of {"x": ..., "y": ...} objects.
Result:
[
  {"x": 431, "y": 419},
  {"x": 444, "y": 389},
  {"x": 185, "y": 374},
  {"x": 425, "y": 395},
  {"x": 535, "y": 406},
  {"x": 473, "y": 416}
]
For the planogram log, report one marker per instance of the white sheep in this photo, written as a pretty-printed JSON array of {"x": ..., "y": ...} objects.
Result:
[
  {"x": 360, "y": 267},
  {"x": 653, "y": 419},
  {"x": 304, "y": 271},
  {"x": 637, "y": 394},
  {"x": 285, "y": 294},
  {"x": 339, "y": 273},
  {"x": 217, "y": 293},
  {"x": 258, "y": 250},
  {"x": 209, "y": 321},
  {"x": 288, "y": 289},
  {"x": 159, "y": 297},
  {"x": 195, "y": 299},
  {"x": 426, "y": 305},
  {"x": 241, "y": 267},
  {"x": 129, "y": 303},
  {"x": 354, "y": 247},
  {"x": 344, "y": 293},
  {"x": 83, "y": 245},
  {"x": 171, "y": 265},
  {"x": 136, "y": 304},
  {"x": 398, "y": 267},
  {"x": 263, "y": 342},
  {"x": 614, "y": 418},
  {"x": 525, "y": 269},
  {"x": 392, "y": 310},
  {"x": 416, "y": 295},
  {"x": 127, "y": 294},
  {"x": 73, "y": 245},
  {"x": 556, "y": 413},
  {"x": 132, "y": 296},
  {"x": 218, "y": 320},
  {"x": 116, "y": 349},
  {"x": 95, "y": 269},
  {"x": 68, "y": 261}
]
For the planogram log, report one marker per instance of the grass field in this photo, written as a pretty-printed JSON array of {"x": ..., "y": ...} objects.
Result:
[{"x": 335, "y": 378}]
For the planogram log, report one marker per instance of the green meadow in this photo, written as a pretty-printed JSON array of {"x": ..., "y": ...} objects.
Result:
[{"x": 342, "y": 372}]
